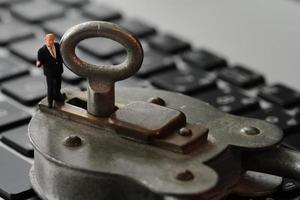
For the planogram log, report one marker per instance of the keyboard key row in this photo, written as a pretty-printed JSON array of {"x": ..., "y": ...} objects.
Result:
[
  {"x": 101, "y": 12},
  {"x": 102, "y": 47},
  {"x": 17, "y": 139},
  {"x": 11, "y": 68},
  {"x": 153, "y": 63},
  {"x": 73, "y": 3},
  {"x": 241, "y": 76},
  {"x": 138, "y": 28},
  {"x": 231, "y": 101},
  {"x": 281, "y": 95},
  {"x": 204, "y": 59},
  {"x": 5, "y": 3},
  {"x": 37, "y": 11},
  {"x": 69, "y": 77},
  {"x": 14, "y": 182},
  {"x": 11, "y": 32},
  {"x": 184, "y": 81},
  {"x": 11, "y": 116},
  {"x": 292, "y": 141},
  {"x": 277, "y": 116},
  {"x": 28, "y": 90},
  {"x": 59, "y": 26},
  {"x": 27, "y": 49},
  {"x": 168, "y": 44}
]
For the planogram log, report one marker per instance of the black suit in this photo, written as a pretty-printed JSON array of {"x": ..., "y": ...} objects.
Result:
[{"x": 53, "y": 68}]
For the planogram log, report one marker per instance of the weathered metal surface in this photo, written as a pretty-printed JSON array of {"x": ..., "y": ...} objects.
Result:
[
  {"x": 103, "y": 155},
  {"x": 101, "y": 78},
  {"x": 133, "y": 122}
]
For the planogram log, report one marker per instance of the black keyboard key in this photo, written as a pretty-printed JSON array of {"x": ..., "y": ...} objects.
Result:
[
  {"x": 168, "y": 44},
  {"x": 298, "y": 114},
  {"x": 72, "y": 3},
  {"x": 129, "y": 82},
  {"x": 70, "y": 77},
  {"x": 230, "y": 101},
  {"x": 241, "y": 76},
  {"x": 290, "y": 185},
  {"x": 102, "y": 47},
  {"x": 10, "y": 2},
  {"x": 153, "y": 63},
  {"x": 14, "y": 182},
  {"x": 134, "y": 82},
  {"x": 281, "y": 95},
  {"x": 11, "y": 32},
  {"x": 17, "y": 138},
  {"x": 187, "y": 82},
  {"x": 27, "y": 49},
  {"x": 89, "y": 58},
  {"x": 203, "y": 59},
  {"x": 11, "y": 116},
  {"x": 59, "y": 26},
  {"x": 37, "y": 11},
  {"x": 138, "y": 28},
  {"x": 277, "y": 116},
  {"x": 11, "y": 68},
  {"x": 101, "y": 12},
  {"x": 27, "y": 90},
  {"x": 292, "y": 141}
]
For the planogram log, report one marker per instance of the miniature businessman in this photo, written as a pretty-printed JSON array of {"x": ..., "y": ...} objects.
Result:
[{"x": 50, "y": 58}]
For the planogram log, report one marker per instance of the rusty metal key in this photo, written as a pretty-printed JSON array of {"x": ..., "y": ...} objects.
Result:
[{"x": 102, "y": 77}]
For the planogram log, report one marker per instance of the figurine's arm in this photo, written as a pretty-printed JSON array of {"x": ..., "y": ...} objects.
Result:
[
  {"x": 38, "y": 63},
  {"x": 39, "y": 59}
]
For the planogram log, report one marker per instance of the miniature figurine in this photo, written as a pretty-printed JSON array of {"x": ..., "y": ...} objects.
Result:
[{"x": 50, "y": 58}]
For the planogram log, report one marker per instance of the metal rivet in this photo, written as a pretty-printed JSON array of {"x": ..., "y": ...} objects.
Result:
[
  {"x": 186, "y": 175},
  {"x": 72, "y": 141},
  {"x": 185, "y": 131},
  {"x": 157, "y": 100},
  {"x": 250, "y": 130}
]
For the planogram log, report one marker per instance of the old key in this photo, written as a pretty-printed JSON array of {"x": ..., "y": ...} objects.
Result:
[{"x": 102, "y": 77}]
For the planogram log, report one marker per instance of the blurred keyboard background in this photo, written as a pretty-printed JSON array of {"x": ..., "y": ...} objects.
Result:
[{"x": 240, "y": 56}]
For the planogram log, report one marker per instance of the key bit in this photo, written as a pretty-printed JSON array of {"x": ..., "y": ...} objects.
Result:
[{"x": 102, "y": 77}]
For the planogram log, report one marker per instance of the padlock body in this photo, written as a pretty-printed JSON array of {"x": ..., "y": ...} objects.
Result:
[{"x": 107, "y": 165}]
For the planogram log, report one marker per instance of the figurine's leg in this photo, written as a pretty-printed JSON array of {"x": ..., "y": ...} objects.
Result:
[
  {"x": 57, "y": 87},
  {"x": 50, "y": 91}
]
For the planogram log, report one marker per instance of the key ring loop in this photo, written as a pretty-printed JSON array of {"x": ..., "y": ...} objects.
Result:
[{"x": 109, "y": 30}]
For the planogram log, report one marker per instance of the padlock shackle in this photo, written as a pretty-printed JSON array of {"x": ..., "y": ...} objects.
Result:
[{"x": 277, "y": 161}]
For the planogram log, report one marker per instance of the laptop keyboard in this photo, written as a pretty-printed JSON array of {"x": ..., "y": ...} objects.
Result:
[{"x": 170, "y": 63}]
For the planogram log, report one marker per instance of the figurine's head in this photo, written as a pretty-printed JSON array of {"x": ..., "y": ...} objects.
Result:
[{"x": 49, "y": 39}]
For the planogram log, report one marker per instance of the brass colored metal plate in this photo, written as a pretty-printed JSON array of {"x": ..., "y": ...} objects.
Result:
[
  {"x": 141, "y": 121},
  {"x": 184, "y": 144},
  {"x": 147, "y": 120}
]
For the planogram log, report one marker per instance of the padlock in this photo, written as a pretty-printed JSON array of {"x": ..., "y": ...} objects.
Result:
[{"x": 136, "y": 143}]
